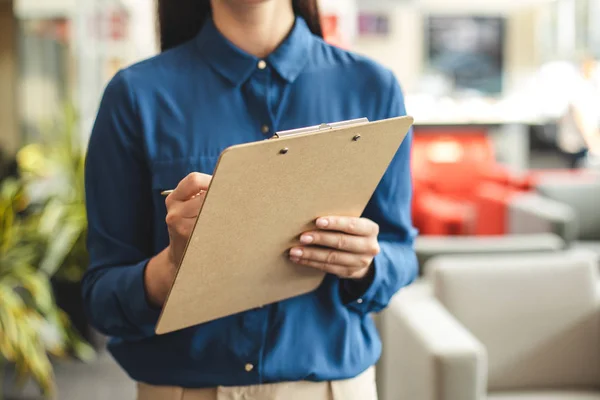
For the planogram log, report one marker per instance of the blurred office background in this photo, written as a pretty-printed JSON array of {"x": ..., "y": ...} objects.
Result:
[{"x": 506, "y": 197}]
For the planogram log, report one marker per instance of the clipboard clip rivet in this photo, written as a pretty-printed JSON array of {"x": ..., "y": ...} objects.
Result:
[
  {"x": 356, "y": 138},
  {"x": 283, "y": 151}
]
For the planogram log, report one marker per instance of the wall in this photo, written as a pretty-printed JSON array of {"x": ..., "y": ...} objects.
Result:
[
  {"x": 8, "y": 123},
  {"x": 522, "y": 57},
  {"x": 100, "y": 56},
  {"x": 402, "y": 50},
  {"x": 143, "y": 28},
  {"x": 346, "y": 11}
]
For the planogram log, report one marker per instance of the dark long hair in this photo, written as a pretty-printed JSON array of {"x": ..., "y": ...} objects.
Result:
[{"x": 180, "y": 20}]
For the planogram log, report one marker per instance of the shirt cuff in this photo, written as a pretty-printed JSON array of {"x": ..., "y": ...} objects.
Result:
[
  {"x": 359, "y": 294},
  {"x": 138, "y": 309}
]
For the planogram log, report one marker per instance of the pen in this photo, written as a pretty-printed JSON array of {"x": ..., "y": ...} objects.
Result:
[{"x": 168, "y": 192}]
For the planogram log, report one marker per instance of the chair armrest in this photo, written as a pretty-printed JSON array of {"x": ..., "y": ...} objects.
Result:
[
  {"x": 418, "y": 290},
  {"x": 507, "y": 177},
  {"x": 444, "y": 216},
  {"x": 428, "y": 247},
  {"x": 534, "y": 213},
  {"x": 491, "y": 201},
  {"x": 428, "y": 354}
]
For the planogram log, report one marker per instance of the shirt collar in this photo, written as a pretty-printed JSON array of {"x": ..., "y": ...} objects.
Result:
[{"x": 236, "y": 65}]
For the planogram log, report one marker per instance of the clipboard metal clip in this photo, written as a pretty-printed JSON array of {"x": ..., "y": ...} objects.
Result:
[{"x": 319, "y": 128}]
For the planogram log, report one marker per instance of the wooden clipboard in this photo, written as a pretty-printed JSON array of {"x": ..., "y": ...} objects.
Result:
[{"x": 263, "y": 195}]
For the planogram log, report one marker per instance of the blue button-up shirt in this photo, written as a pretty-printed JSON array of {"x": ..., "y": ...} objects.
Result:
[{"x": 173, "y": 114}]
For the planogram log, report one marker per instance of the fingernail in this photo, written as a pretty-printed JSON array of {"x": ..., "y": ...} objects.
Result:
[
  {"x": 294, "y": 259},
  {"x": 322, "y": 222},
  {"x": 296, "y": 252},
  {"x": 306, "y": 239}
]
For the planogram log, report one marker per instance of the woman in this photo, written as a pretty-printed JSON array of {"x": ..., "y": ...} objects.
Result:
[
  {"x": 235, "y": 71},
  {"x": 579, "y": 127}
]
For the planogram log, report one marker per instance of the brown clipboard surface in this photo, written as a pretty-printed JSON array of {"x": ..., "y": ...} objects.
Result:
[{"x": 263, "y": 195}]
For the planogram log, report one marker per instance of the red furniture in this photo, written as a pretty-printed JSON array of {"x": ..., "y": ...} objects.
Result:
[{"x": 459, "y": 188}]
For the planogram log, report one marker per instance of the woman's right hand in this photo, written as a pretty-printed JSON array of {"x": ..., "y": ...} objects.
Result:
[{"x": 183, "y": 206}]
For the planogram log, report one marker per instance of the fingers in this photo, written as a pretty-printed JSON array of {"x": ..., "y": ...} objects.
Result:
[
  {"x": 338, "y": 270},
  {"x": 181, "y": 215},
  {"x": 329, "y": 257},
  {"x": 190, "y": 186},
  {"x": 186, "y": 209},
  {"x": 343, "y": 246},
  {"x": 349, "y": 225},
  {"x": 341, "y": 241},
  {"x": 183, "y": 205}
]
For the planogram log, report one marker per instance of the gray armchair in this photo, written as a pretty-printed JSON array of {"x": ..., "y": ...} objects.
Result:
[
  {"x": 496, "y": 328},
  {"x": 559, "y": 197},
  {"x": 428, "y": 247}
]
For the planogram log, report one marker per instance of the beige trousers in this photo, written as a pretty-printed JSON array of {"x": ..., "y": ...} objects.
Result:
[{"x": 360, "y": 388}]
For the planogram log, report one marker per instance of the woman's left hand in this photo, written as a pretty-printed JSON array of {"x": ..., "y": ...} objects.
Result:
[{"x": 343, "y": 246}]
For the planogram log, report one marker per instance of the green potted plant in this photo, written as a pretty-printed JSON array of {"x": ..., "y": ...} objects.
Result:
[
  {"x": 53, "y": 170},
  {"x": 32, "y": 327}
]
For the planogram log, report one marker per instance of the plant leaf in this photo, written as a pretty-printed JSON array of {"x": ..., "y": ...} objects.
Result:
[{"x": 59, "y": 248}]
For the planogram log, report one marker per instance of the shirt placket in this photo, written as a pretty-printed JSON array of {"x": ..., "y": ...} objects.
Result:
[
  {"x": 257, "y": 94},
  {"x": 254, "y": 323}
]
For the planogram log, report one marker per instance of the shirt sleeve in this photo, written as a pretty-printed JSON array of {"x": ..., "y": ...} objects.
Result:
[
  {"x": 119, "y": 207},
  {"x": 396, "y": 265}
]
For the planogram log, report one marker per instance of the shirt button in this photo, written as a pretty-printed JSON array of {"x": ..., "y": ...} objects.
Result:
[
  {"x": 262, "y": 64},
  {"x": 249, "y": 367},
  {"x": 265, "y": 129},
  {"x": 359, "y": 301}
]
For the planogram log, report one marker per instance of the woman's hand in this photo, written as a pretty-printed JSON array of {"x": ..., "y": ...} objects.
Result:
[
  {"x": 343, "y": 246},
  {"x": 183, "y": 206}
]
